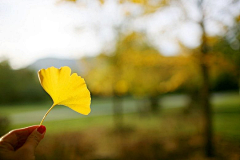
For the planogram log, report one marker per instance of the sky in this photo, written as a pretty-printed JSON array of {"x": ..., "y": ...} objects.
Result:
[{"x": 34, "y": 29}]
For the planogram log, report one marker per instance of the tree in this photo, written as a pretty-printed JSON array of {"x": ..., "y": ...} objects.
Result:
[
  {"x": 19, "y": 85},
  {"x": 203, "y": 53},
  {"x": 148, "y": 73},
  {"x": 154, "y": 7},
  {"x": 229, "y": 46},
  {"x": 137, "y": 68},
  {"x": 104, "y": 77}
]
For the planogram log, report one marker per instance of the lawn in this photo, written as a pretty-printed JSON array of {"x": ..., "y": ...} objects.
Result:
[
  {"x": 171, "y": 134},
  {"x": 226, "y": 115}
]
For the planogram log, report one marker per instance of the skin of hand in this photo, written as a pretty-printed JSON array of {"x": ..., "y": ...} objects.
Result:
[{"x": 20, "y": 144}]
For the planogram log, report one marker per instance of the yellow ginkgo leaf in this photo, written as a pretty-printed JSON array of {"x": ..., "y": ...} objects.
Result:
[{"x": 65, "y": 89}]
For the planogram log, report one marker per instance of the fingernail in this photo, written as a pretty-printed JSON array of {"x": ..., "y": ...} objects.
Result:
[{"x": 41, "y": 129}]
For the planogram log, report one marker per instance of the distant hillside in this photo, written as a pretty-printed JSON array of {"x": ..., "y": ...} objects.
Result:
[{"x": 56, "y": 62}]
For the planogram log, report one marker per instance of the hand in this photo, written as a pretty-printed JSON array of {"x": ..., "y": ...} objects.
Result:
[{"x": 20, "y": 144}]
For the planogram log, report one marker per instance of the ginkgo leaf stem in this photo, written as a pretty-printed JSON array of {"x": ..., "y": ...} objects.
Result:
[{"x": 47, "y": 113}]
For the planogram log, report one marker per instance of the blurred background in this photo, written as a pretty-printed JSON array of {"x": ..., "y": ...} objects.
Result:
[{"x": 164, "y": 76}]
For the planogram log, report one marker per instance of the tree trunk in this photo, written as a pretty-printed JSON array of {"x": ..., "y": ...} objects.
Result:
[
  {"x": 118, "y": 111},
  {"x": 239, "y": 81},
  {"x": 193, "y": 102},
  {"x": 141, "y": 107},
  {"x": 207, "y": 110},
  {"x": 154, "y": 105}
]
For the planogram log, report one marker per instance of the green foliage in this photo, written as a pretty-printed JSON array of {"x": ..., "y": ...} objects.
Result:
[
  {"x": 225, "y": 47},
  {"x": 225, "y": 82},
  {"x": 18, "y": 85}
]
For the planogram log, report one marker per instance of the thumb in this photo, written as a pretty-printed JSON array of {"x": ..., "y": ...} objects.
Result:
[{"x": 35, "y": 137}]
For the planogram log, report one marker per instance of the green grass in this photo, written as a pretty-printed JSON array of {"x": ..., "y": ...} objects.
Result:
[
  {"x": 226, "y": 116},
  {"x": 21, "y": 108}
]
